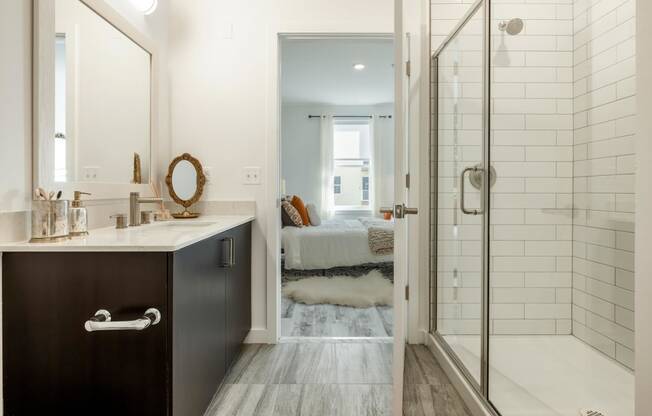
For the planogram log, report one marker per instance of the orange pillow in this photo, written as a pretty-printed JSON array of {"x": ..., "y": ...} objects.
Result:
[{"x": 301, "y": 207}]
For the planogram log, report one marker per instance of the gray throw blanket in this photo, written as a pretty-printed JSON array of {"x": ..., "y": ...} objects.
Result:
[{"x": 381, "y": 240}]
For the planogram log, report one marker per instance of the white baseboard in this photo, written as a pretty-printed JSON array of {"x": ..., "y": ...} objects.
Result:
[
  {"x": 259, "y": 336},
  {"x": 476, "y": 405}
]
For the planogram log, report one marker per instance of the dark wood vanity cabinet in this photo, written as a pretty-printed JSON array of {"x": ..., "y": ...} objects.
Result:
[{"x": 52, "y": 365}]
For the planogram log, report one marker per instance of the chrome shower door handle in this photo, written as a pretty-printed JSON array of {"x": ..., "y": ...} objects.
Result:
[
  {"x": 462, "y": 180},
  {"x": 101, "y": 321}
]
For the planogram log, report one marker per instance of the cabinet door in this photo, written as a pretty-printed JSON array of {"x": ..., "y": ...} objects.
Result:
[
  {"x": 239, "y": 291},
  {"x": 52, "y": 365},
  {"x": 199, "y": 326}
]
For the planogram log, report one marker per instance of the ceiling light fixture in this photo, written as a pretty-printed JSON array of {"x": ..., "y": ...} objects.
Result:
[
  {"x": 145, "y": 6},
  {"x": 358, "y": 67}
]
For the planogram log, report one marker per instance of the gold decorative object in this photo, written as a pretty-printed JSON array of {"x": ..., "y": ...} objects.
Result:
[
  {"x": 200, "y": 182},
  {"x": 138, "y": 177}
]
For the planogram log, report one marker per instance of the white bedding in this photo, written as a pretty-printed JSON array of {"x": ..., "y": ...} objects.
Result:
[{"x": 334, "y": 243}]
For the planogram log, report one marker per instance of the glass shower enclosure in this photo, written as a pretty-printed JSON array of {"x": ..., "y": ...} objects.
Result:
[{"x": 532, "y": 189}]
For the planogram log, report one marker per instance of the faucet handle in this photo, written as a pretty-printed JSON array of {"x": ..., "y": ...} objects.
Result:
[{"x": 120, "y": 220}]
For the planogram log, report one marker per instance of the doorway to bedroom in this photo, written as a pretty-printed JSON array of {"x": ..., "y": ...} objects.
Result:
[{"x": 337, "y": 171}]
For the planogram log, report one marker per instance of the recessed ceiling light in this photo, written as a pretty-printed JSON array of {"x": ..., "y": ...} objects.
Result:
[
  {"x": 145, "y": 6},
  {"x": 358, "y": 67}
]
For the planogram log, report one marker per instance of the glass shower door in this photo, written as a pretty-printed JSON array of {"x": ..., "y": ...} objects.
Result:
[{"x": 458, "y": 79}]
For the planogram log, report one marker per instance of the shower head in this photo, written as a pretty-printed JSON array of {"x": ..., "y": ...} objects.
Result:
[{"x": 512, "y": 27}]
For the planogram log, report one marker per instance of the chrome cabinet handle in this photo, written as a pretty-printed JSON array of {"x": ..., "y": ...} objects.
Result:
[
  {"x": 230, "y": 258},
  {"x": 462, "y": 177},
  {"x": 101, "y": 321}
]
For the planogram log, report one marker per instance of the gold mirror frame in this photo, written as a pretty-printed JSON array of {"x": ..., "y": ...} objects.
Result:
[{"x": 201, "y": 181}]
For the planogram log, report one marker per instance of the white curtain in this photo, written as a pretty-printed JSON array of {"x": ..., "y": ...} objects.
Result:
[
  {"x": 327, "y": 167},
  {"x": 376, "y": 129}
]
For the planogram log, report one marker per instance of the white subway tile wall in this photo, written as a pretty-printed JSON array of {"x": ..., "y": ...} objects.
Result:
[
  {"x": 562, "y": 145},
  {"x": 603, "y": 227},
  {"x": 459, "y": 130},
  {"x": 532, "y": 153}
]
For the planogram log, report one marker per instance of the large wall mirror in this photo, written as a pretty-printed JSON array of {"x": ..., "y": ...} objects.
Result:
[{"x": 94, "y": 99}]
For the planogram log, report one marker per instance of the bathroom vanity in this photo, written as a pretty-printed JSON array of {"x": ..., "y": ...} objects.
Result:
[{"x": 195, "y": 273}]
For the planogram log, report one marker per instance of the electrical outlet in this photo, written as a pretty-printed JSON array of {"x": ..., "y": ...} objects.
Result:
[
  {"x": 251, "y": 175},
  {"x": 208, "y": 173},
  {"x": 90, "y": 173}
]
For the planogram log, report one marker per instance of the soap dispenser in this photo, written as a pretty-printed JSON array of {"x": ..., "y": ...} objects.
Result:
[{"x": 78, "y": 217}]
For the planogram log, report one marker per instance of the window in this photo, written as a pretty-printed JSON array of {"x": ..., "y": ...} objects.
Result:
[
  {"x": 352, "y": 158},
  {"x": 338, "y": 185}
]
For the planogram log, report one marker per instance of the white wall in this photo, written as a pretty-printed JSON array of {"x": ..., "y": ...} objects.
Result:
[
  {"x": 15, "y": 105},
  {"x": 301, "y": 151},
  {"x": 223, "y": 67}
]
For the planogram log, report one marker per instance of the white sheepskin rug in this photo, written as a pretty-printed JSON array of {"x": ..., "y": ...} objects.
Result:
[{"x": 360, "y": 292}]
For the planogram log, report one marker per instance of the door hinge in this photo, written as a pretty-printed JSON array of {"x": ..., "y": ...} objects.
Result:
[
  {"x": 407, "y": 293},
  {"x": 408, "y": 68},
  {"x": 407, "y": 180}
]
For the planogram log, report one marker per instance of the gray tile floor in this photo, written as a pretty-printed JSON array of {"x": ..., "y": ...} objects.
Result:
[
  {"x": 315, "y": 379},
  {"x": 300, "y": 320},
  {"x": 427, "y": 391},
  {"x": 332, "y": 379}
]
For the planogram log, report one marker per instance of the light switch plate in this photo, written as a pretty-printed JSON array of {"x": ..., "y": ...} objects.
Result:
[
  {"x": 90, "y": 173},
  {"x": 251, "y": 175}
]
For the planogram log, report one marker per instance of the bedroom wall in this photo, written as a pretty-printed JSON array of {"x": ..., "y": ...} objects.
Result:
[{"x": 301, "y": 151}]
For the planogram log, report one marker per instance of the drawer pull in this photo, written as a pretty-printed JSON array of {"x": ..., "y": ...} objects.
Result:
[
  {"x": 230, "y": 257},
  {"x": 102, "y": 321}
]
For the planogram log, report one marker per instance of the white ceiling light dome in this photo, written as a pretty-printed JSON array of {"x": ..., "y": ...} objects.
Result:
[
  {"x": 145, "y": 6},
  {"x": 359, "y": 67}
]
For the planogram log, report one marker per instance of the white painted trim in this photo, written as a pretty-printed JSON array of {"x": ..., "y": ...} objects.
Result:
[
  {"x": 43, "y": 101},
  {"x": 257, "y": 336},
  {"x": 643, "y": 220},
  {"x": 419, "y": 277},
  {"x": 474, "y": 403},
  {"x": 401, "y": 228}
]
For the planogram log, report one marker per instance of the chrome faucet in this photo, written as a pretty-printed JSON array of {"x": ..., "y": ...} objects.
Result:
[{"x": 134, "y": 207}]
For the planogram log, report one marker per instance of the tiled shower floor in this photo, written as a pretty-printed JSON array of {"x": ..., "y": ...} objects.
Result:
[{"x": 550, "y": 375}]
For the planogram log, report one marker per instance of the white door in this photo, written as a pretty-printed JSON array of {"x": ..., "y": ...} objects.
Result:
[{"x": 401, "y": 211}]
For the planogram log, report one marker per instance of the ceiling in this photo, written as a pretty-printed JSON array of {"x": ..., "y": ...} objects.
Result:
[{"x": 320, "y": 71}]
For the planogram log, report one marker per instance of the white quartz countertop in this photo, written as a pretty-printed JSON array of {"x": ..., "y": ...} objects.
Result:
[{"x": 159, "y": 236}]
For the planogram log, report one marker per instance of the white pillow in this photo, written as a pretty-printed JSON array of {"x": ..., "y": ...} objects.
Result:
[{"x": 313, "y": 215}]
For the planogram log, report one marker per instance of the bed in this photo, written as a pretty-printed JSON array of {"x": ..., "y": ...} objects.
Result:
[{"x": 334, "y": 243}]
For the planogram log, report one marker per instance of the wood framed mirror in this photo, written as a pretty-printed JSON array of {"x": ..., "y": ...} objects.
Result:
[{"x": 185, "y": 181}]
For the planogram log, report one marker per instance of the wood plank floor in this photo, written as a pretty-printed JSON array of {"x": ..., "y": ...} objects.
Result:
[
  {"x": 300, "y": 320},
  {"x": 325, "y": 378},
  {"x": 332, "y": 379},
  {"x": 427, "y": 391}
]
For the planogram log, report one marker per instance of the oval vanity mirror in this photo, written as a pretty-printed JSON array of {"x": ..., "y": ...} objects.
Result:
[{"x": 185, "y": 181}]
